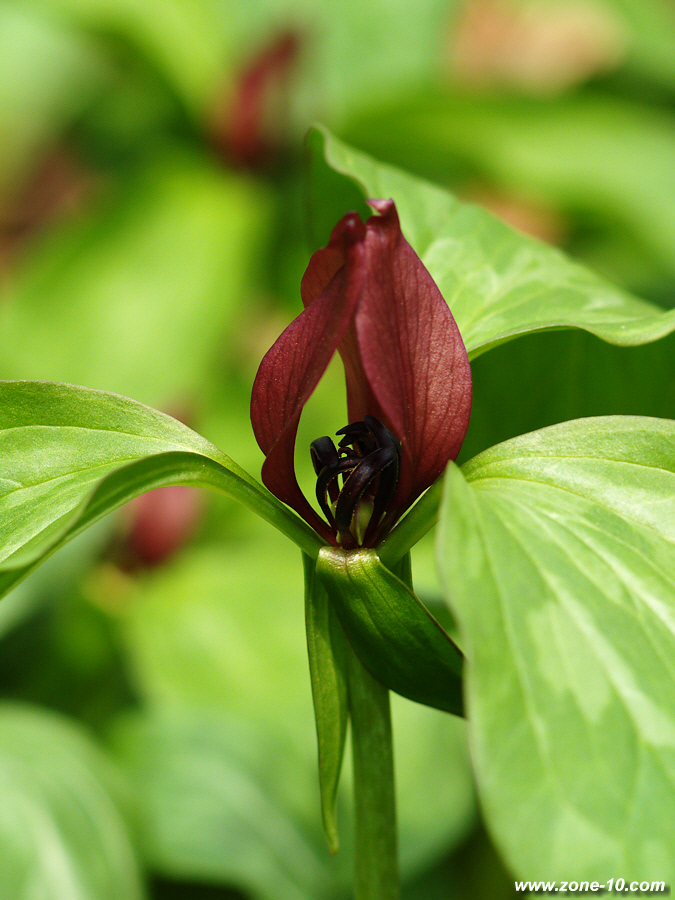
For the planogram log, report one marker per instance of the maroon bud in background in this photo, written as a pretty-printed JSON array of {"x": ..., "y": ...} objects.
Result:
[{"x": 248, "y": 130}]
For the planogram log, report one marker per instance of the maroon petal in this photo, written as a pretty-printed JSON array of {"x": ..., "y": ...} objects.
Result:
[
  {"x": 291, "y": 369},
  {"x": 323, "y": 264},
  {"x": 412, "y": 353}
]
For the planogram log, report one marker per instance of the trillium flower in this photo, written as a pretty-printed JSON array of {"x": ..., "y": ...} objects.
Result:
[{"x": 368, "y": 296}]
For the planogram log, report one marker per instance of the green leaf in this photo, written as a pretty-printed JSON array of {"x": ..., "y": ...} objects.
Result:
[
  {"x": 326, "y": 649},
  {"x": 70, "y": 455},
  {"x": 63, "y": 834},
  {"x": 214, "y": 809},
  {"x": 557, "y": 552},
  {"x": 498, "y": 283},
  {"x": 393, "y": 633}
]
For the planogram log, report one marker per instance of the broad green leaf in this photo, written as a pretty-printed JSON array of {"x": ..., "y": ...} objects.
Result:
[
  {"x": 63, "y": 834},
  {"x": 557, "y": 552},
  {"x": 326, "y": 650},
  {"x": 392, "y": 632},
  {"x": 498, "y": 283},
  {"x": 70, "y": 455}
]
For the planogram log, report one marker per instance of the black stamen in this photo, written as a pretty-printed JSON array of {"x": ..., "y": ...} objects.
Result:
[
  {"x": 360, "y": 479},
  {"x": 367, "y": 461},
  {"x": 323, "y": 453}
]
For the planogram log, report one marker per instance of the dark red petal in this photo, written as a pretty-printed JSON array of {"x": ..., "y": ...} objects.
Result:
[
  {"x": 291, "y": 369},
  {"x": 345, "y": 246},
  {"x": 412, "y": 354},
  {"x": 325, "y": 262}
]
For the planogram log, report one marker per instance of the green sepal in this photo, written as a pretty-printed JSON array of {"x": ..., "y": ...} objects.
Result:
[
  {"x": 392, "y": 632},
  {"x": 326, "y": 647}
]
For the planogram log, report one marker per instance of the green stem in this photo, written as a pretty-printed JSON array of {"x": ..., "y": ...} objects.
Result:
[{"x": 377, "y": 876}]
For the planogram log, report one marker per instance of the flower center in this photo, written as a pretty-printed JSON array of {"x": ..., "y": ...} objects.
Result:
[{"x": 356, "y": 480}]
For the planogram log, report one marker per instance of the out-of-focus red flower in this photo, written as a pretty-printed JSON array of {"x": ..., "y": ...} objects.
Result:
[
  {"x": 248, "y": 128},
  {"x": 162, "y": 522}
]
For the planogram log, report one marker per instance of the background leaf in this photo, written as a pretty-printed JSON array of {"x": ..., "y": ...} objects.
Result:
[
  {"x": 557, "y": 551},
  {"x": 63, "y": 833},
  {"x": 51, "y": 71},
  {"x": 144, "y": 291},
  {"x": 551, "y": 154},
  {"x": 214, "y": 810}
]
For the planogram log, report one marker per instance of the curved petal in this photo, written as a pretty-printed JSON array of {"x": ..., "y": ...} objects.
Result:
[
  {"x": 412, "y": 354},
  {"x": 325, "y": 262},
  {"x": 291, "y": 369}
]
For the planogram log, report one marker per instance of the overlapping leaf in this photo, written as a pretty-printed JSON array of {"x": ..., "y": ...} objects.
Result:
[
  {"x": 392, "y": 632},
  {"x": 557, "y": 551},
  {"x": 498, "y": 283}
]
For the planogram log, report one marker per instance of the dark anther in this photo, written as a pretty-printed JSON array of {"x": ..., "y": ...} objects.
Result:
[{"x": 357, "y": 480}]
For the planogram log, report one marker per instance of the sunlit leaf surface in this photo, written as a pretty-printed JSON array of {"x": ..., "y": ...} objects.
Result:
[
  {"x": 499, "y": 284},
  {"x": 60, "y": 443},
  {"x": 557, "y": 551}
]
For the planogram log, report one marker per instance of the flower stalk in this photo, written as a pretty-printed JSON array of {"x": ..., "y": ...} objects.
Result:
[
  {"x": 376, "y": 845},
  {"x": 368, "y": 297}
]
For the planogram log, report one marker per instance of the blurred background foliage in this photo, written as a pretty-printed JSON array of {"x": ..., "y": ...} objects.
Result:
[{"x": 156, "y": 733}]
